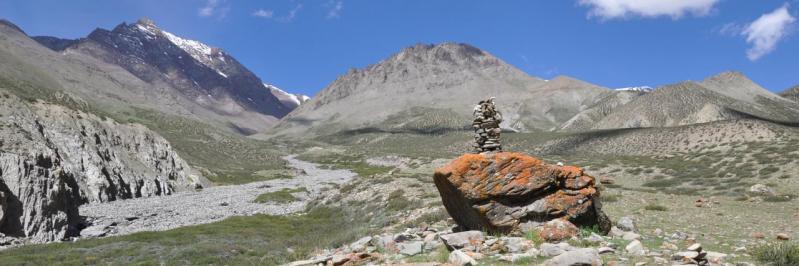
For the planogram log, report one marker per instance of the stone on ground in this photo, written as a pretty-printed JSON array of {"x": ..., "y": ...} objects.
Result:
[
  {"x": 458, "y": 258},
  {"x": 496, "y": 192},
  {"x": 558, "y": 230},
  {"x": 583, "y": 256},
  {"x": 635, "y": 248},
  {"x": 468, "y": 240},
  {"x": 410, "y": 248},
  {"x": 626, "y": 223}
]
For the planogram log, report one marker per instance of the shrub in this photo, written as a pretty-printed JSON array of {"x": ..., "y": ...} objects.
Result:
[
  {"x": 778, "y": 254},
  {"x": 655, "y": 207}
]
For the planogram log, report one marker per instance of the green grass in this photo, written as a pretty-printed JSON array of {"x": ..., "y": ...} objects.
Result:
[
  {"x": 252, "y": 240},
  {"x": 781, "y": 254},
  {"x": 655, "y": 207},
  {"x": 280, "y": 196}
]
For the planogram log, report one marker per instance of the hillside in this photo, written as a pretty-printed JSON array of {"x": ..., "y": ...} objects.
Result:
[
  {"x": 438, "y": 84},
  {"x": 791, "y": 94},
  {"x": 209, "y": 141}
]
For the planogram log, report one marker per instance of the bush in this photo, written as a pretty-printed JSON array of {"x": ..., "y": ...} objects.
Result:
[
  {"x": 778, "y": 254},
  {"x": 655, "y": 207}
]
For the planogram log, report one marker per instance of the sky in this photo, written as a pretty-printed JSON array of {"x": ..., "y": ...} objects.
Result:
[{"x": 303, "y": 45}]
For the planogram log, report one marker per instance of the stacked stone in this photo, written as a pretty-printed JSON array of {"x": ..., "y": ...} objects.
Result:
[{"x": 486, "y": 127}]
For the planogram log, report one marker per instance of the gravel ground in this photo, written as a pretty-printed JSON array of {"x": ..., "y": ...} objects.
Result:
[{"x": 206, "y": 206}]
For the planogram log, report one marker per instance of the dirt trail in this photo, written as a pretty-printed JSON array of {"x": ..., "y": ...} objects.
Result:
[{"x": 209, "y": 205}]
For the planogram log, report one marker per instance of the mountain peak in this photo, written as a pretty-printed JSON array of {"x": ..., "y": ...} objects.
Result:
[
  {"x": 11, "y": 25},
  {"x": 145, "y": 21},
  {"x": 729, "y": 76}
]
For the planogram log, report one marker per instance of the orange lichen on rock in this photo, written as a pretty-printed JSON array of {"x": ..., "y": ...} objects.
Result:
[{"x": 499, "y": 191}]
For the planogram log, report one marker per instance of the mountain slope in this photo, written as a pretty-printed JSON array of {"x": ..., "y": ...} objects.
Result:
[
  {"x": 791, "y": 94},
  {"x": 428, "y": 88},
  {"x": 289, "y": 100},
  {"x": 726, "y": 96},
  {"x": 586, "y": 119}
]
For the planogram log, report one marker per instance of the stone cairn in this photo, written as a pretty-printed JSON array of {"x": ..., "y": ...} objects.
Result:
[{"x": 486, "y": 126}]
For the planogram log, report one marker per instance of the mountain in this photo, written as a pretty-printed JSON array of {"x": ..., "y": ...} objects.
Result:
[
  {"x": 791, "y": 94},
  {"x": 290, "y": 100},
  {"x": 430, "y": 88},
  {"x": 728, "y": 95},
  {"x": 206, "y": 76}
]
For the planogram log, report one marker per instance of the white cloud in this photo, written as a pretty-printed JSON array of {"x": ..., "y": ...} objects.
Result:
[
  {"x": 335, "y": 9},
  {"x": 292, "y": 14},
  {"x": 765, "y": 32},
  {"x": 213, "y": 8},
  {"x": 263, "y": 13},
  {"x": 611, "y": 9}
]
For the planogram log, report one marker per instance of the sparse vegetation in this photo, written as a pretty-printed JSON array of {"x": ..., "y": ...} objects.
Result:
[
  {"x": 280, "y": 196},
  {"x": 250, "y": 240},
  {"x": 655, "y": 207},
  {"x": 780, "y": 254}
]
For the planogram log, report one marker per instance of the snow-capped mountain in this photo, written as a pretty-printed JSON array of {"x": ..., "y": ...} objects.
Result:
[
  {"x": 206, "y": 75},
  {"x": 637, "y": 88},
  {"x": 288, "y": 99}
]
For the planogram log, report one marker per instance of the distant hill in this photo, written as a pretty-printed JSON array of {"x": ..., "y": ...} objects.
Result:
[{"x": 429, "y": 88}]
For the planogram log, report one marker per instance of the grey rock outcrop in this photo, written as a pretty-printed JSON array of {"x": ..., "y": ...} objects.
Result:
[{"x": 52, "y": 159}]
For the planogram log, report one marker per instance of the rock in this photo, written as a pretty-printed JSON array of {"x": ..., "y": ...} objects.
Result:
[
  {"x": 758, "y": 235},
  {"x": 55, "y": 159},
  {"x": 529, "y": 226},
  {"x": 583, "y": 256},
  {"x": 607, "y": 180},
  {"x": 497, "y": 192},
  {"x": 558, "y": 230},
  {"x": 635, "y": 248},
  {"x": 627, "y": 223},
  {"x": 469, "y": 240},
  {"x": 594, "y": 238},
  {"x": 3, "y": 205},
  {"x": 360, "y": 244},
  {"x": 606, "y": 250},
  {"x": 630, "y": 236},
  {"x": 715, "y": 257},
  {"x": 458, "y": 258},
  {"x": 762, "y": 190},
  {"x": 94, "y": 231},
  {"x": 410, "y": 248},
  {"x": 517, "y": 257},
  {"x": 385, "y": 242},
  {"x": 314, "y": 261},
  {"x": 615, "y": 232},
  {"x": 783, "y": 236},
  {"x": 680, "y": 256},
  {"x": 695, "y": 247},
  {"x": 551, "y": 250},
  {"x": 517, "y": 244}
]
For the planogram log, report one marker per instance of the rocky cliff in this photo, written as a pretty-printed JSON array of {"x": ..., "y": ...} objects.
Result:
[{"x": 53, "y": 159}]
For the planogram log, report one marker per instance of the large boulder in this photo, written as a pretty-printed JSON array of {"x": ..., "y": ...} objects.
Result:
[{"x": 497, "y": 192}]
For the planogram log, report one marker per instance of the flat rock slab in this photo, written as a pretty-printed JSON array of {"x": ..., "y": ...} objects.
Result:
[{"x": 210, "y": 204}]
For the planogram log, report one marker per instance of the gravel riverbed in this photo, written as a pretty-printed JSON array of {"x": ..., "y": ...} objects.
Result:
[{"x": 207, "y": 205}]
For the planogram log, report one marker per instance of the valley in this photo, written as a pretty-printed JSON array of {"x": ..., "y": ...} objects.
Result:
[{"x": 136, "y": 146}]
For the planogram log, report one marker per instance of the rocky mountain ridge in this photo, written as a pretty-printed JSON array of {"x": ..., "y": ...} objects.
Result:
[
  {"x": 791, "y": 94},
  {"x": 204, "y": 75},
  {"x": 53, "y": 159},
  {"x": 430, "y": 88}
]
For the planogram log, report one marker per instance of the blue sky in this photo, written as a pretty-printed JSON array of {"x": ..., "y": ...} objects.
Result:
[{"x": 303, "y": 45}]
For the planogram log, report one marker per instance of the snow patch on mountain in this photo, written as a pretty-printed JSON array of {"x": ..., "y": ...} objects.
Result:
[
  {"x": 201, "y": 52},
  {"x": 289, "y": 99}
]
